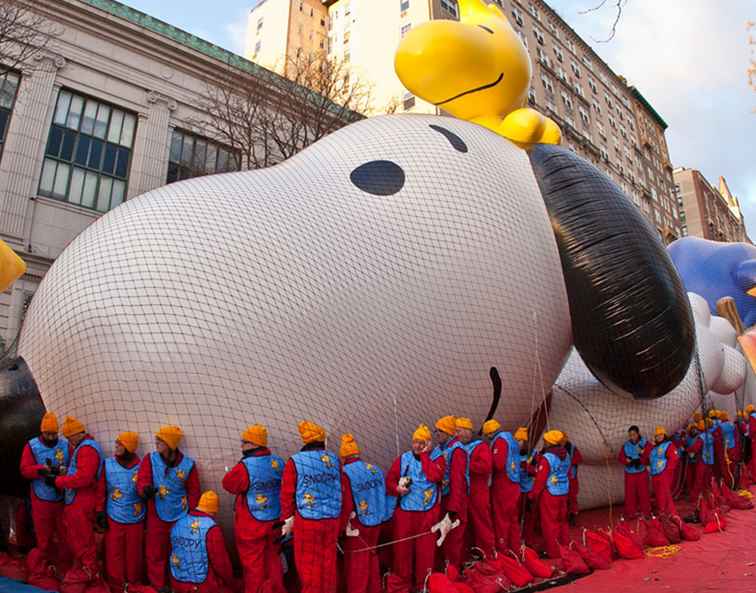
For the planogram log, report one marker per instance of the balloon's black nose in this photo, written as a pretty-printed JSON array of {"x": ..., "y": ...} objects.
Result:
[{"x": 21, "y": 410}]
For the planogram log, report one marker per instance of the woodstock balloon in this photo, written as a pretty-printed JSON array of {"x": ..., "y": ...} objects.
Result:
[{"x": 376, "y": 280}]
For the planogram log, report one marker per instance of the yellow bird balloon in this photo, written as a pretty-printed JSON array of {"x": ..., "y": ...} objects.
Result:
[
  {"x": 12, "y": 267},
  {"x": 476, "y": 69}
]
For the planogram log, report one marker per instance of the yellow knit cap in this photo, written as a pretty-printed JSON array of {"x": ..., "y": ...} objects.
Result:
[
  {"x": 491, "y": 426},
  {"x": 463, "y": 423},
  {"x": 72, "y": 426},
  {"x": 49, "y": 423},
  {"x": 521, "y": 434},
  {"x": 422, "y": 433},
  {"x": 446, "y": 424},
  {"x": 749, "y": 409},
  {"x": 348, "y": 446},
  {"x": 660, "y": 430},
  {"x": 171, "y": 435},
  {"x": 714, "y": 413},
  {"x": 256, "y": 434},
  {"x": 129, "y": 440},
  {"x": 311, "y": 432},
  {"x": 700, "y": 425},
  {"x": 209, "y": 502},
  {"x": 553, "y": 437}
]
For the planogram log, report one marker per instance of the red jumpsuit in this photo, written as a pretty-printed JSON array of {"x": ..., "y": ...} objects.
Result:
[
  {"x": 479, "y": 509},
  {"x": 220, "y": 573},
  {"x": 663, "y": 483},
  {"x": 703, "y": 471},
  {"x": 528, "y": 509},
  {"x": 572, "y": 498},
  {"x": 456, "y": 502},
  {"x": 124, "y": 553},
  {"x": 362, "y": 572},
  {"x": 552, "y": 509},
  {"x": 256, "y": 541},
  {"x": 79, "y": 515},
  {"x": 720, "y": 464},
  {"x": 47, "y": 516},
  {"x": 157, "y": 536},
  {"x": 414, "y": 558},
  {"x": 636, "y": 485},
  {"x": 315, "y": 541},
  {"x": 505, "y": 498},
  {"x": 752, "y": 437}
]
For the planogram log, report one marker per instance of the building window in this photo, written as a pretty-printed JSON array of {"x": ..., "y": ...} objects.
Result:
[
  {"x": 538, "y": 35},
  {"x": 9, "y": 83},
  {"x": 533, "y": 11},
  {"x": 532, "y": 96},
  {"x": 194, "y": 156},
  {"x": 547, "y": 84},
  {"x": 517, "y": 15},
  {"x": 260, "y": 24},
  {"x": 568, "y": 105},
  {"x": 570, "y": 45},
  {"x": 301, "y": 6},
  {"x": 592, "y": 85},
  {"x": 258, "y": 45},
  {"x": 347, "y": 36},
  {"x": 405, "y": 29},
  {"x": 408, "y": 101},
  {"x": 575, "y": 69},
  {"x": 404, "y": 5},
  {"x": 558, "y": 53},
  {"x": 522, "y": 37},
  {"x": 88, "y": 153},
  {"x": 450, "y": 6}
]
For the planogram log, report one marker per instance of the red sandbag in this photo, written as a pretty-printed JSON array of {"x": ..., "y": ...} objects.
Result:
[
  {"x": 599, "y": 545},
  {"x": 394, "y": 584},
  {"x": 625, "y": 529},
  {"x": 655, "y": 534},
  {"x": 12, "y": 568},
  {"x": 593, "y": 560},
  {"x": 452, "y": 572},
  {"x": 464, "y": 588},
  {"x": 736, "y": 501},
  {"x": 485, "y": 567},
  {"x": 534, "y": 565},
  {"x": 671, "y": 529},
  {"x": 716, "y": 523},
  {"x": 688, "y": 532},
  {"x": 513, "y": 570},
  {"x": 147, "y": 588},
  {"x": 627, "y": 547},
  {"x": 482, "y": 583},
  {"x": 572, "y": 563},
  {"x": 98, "y": 586},
  {"x": 438, "y": 582}
]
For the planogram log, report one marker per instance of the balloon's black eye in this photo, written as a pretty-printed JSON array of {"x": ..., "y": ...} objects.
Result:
[
  {"x": 380, "y": 178},
  {"x": 457, "y": 143}
]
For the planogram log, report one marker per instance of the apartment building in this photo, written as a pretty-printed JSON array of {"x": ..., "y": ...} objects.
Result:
[
  {"x": 603, "y": 119},
  {"x": 708, "y": 212},
  {"x": 106, "y": 113}
]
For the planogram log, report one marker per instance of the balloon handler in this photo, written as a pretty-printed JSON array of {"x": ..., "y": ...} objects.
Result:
[
  {"x": 480, "y": 464},
  {"x": 634, "y": 457},
  {"x": 662, "y": 464}
]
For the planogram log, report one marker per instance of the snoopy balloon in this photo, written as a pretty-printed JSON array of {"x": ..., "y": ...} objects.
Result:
[{"x": 369, "y": 283}]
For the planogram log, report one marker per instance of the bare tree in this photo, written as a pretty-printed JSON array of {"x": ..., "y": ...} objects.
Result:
[
  {"x": 23, "y": 33},
  {"x": 618, "y": 5},
  {"x": 267, "y": 119}
]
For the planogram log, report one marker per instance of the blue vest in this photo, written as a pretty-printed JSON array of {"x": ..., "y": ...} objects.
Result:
[
  {"x": 659, "y": 458},
  {"x": 189, "y": 560},
  {"x": 689, "y": 445},
  {"x": 513, "y": 455},
  {"x": 368, "y": 487},
  {"x": 443, "y": 451},
  {"x": 467, "y": 450},
  {"x": 707, "y": 452},
  {"x": 422, "y": 493},
  {"x": 123, "y": 504},
  {"x": 558, "y": 482},
  {"x": 728, "y": 434},
  {"x": 264, "y": 494},
  {"x": 573, "y": 471},
  {"x": 58, "y": 457},
  {"x": 171, "y": 502},
  {"x": 318, "y": 484},
  {"x": 633, "y": 451},
  {"x": 526, "y": 480},
  {"x": 70, "y": 493}
]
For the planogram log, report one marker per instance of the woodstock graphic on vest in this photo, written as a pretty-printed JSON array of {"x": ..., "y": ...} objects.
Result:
[
  {"x": 318, "y": 492},
  {"x": 56, "y": 457},
  {"x": 70, "y": 494},
  {"x": 171, "y": 502},
  {"x": 633, "y": 451},
  {"x": 423, "y": 493},
  {"x": 659, "y": 458},
  {"x": 189, "y": 560},
  {"x": 368, "y": 486},
  {"x": 707, "y": 451},
  {"x": 513, "y": 454},
  {"x": 265, "y": 473},
  {"x": 526, "y": 480},
  {"x": 558, "y": 481},
  {"x": 123, "y": 504}
]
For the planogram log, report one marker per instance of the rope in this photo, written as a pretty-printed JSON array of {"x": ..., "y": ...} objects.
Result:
[
  {"x": 396, "y": 426},
  {"x": 392, "y": 542},
  {"x": 663, "y": 551}
]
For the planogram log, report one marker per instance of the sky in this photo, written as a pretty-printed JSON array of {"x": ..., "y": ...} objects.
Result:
[{"x": 689, "y": 58}]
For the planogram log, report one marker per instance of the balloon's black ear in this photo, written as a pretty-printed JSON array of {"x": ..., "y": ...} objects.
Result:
[{"x": 631, "y": 319}]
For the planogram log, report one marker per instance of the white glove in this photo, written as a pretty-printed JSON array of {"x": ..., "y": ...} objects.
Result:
[
  {"x": 405, "y": 481},
  {"x": 349, "y": 531},
  {"x": 288, "y": 526},
  {"x": 444, "y": 527}
]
